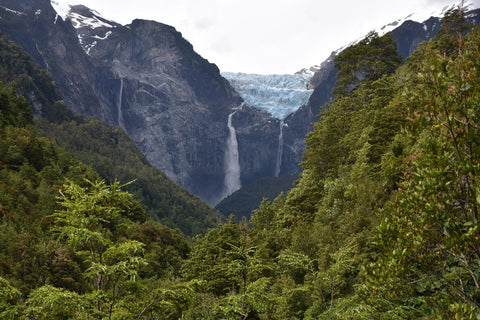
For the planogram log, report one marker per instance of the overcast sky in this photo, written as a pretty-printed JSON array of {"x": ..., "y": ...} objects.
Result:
[{"x": 266, "y": 36}]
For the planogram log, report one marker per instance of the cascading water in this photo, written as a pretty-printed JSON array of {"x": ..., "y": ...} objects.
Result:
[
  {"x": 278, "y": 163},
  {"x": 231, "y": 161},
  {"x": 119, "y": 106}
]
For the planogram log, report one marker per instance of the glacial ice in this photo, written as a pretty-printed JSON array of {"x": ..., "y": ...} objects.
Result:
[{"x": 278, "y": 95}]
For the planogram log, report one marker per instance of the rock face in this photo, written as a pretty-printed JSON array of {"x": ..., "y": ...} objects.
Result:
[
  {"x": 146, "y": 78},
  {"x": 36, "y": 27},
  {"x": 171, "y": 102}
]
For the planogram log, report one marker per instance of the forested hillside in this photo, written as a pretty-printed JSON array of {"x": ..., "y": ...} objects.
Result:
[
  {"x": 107, "y": 149},
  {"x": 382, "y": 224}
]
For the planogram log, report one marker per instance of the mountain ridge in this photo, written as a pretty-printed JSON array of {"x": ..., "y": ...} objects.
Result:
[
  {"x": 175, "y": 105},
  {"x": 105, "y": 149}
]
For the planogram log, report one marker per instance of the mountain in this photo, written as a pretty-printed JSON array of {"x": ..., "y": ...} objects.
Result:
[
  {"x": 297, "y": 114},
  {"x": 147, "y": 79},
  {"x": 104, "y": 148},
  {"x": 177, "y": 108}
]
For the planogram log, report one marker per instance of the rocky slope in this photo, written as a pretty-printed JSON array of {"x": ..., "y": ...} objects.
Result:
[
  {"x": 173, "y": 104},
  {"x": 104, "y": 148},
  {"x": 143, "y": 77}
]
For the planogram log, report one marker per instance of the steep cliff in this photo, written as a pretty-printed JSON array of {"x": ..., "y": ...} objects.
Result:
[
  {"x": 171, "y": 102},
  {"x": 143, "y": 77},
  {"x": 104, "y": 148}
]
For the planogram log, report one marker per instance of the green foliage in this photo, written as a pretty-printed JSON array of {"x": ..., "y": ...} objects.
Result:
[
  {"x": 429, "y": 235},
  {"x": 368, "y": 60},
  {"x": 114, "y": 156},
  {"x": 9, "y": 298},
  {"x": 242, "y": 202},
  {"x": 13, "y": 110},
  {"x": 454, "y": 28},
  {"x": 87, "y": 223},
  {"x": 48, "y": 302}
]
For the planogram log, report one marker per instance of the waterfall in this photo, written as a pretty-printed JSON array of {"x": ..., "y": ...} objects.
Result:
[
  {"x": 278, "y": 163},
  {"x": 231, "y": 161},
  {"x": 119, "y": 106}
]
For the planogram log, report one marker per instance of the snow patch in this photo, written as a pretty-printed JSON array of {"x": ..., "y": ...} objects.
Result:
[
  {"x": 79, "y": 21},
  {"x": 88, "y": 47},
  {"x": 62, "y": 8},
  {"x": 18, "y": 13},
  {"x": 104, "y": 37},
  {"x": 309, "y": 72}
]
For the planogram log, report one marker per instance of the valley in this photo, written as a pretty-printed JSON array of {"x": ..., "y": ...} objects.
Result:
[{"x": 140, "y": 181}]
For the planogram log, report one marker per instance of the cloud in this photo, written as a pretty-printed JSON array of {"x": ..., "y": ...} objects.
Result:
[{"x": 267, "y": 36}]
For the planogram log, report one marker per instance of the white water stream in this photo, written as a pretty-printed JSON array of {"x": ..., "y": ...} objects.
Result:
[
  {"x": 278, "y": 163},
  {"x": 119, "y": 106},
  {"x": 231, "y": 161}
]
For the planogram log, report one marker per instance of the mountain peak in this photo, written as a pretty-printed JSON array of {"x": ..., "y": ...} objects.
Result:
[
  {"x": 91, "y": 26},
  {"x": 62, "y": 8}
]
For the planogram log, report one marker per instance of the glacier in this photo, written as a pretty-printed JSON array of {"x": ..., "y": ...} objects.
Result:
[{"x": 275, "y": 94}]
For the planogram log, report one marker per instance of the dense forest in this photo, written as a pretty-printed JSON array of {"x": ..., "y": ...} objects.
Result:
[{"x": 382, "y": 223}]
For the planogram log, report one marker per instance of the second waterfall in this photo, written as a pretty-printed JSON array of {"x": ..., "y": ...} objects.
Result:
[
  {"x": 119, "y": 106},
  {"x": 278, "y": 163}
]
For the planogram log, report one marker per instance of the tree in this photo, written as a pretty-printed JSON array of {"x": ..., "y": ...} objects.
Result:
[
  {"x": 86, "y": 223},
  {"x": 368, "y": 60},
  {"x": 48, "y": 302},
  {"x": 429, "y": 236},
  {"x": 451, "y": 36},
  {"x": 9, "y": 301}
]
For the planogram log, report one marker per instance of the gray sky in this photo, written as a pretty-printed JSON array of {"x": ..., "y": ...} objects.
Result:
[{"x": 266, "y": 36}]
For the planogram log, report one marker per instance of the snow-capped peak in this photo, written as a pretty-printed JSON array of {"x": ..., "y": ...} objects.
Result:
[
  {"x": 91, "y": 26},
  {"x": 62, "y": 8},
  {"x": 88, "y": 18},
  {"x": 93, "y": 22},
  {"x": 417, "y": 17}
]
